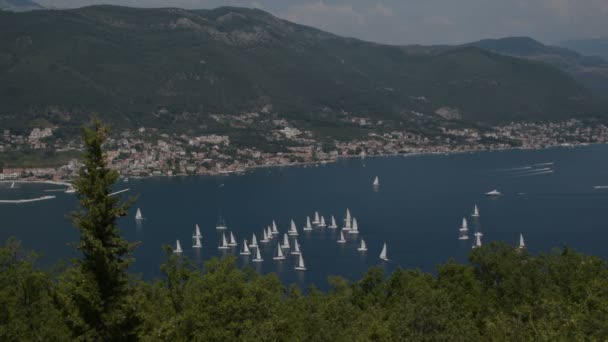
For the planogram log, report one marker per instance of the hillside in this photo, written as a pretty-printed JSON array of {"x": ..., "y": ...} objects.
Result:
[
  {"x": 588, "y": 70},
  {"x": 19, "y": 5},
  {"x": 161, "y": 66},
  {"x": 590, "y": 47}
]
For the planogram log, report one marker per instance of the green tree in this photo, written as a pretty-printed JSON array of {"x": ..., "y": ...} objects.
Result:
[
  {"x": 27, "y": 312},
  {"x": 96, "y": 295}
]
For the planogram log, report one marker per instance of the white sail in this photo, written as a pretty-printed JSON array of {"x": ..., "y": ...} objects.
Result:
[
  {"x": 264, "y": 236},
  {"x": 178, "y": 247},
  {"x": 300, "y": 266},
  {"x": 521, "y": 244},
  {"x": 355, "y": 228},
  {"x": 224, "y": 243},
  {"x": 258, "y": 256},
  {"x": 363, "y": 246},
  {"x": 285, "y": 242},
  {"x": 342, "y": 240},
  {"x": 316, "y": 219},
  {"x": 477, "y": 241},
  {"x": 197, "y": 242},
  {"x": 279, "y": 255},
  {"x": 475, "y": 211},
  {"x": 197, "y": 231},
  {"x": 465, "y": 226},
  {"x": 275, "y": 231},
  {"x": 254, "y": 241},
  {"x": 322, "y": 223},
  {"x": 232, "y": 241},
  {"x": 270, "y": 234},
  {"x": 333, "y": 224},
  {"x": 383, "y": 254},
  {"x": 376, "y": 181},
  {"x": 12, "y": 185},
  {"x": 245, "y": 250},
  {"x": 308, "y": 226},
  {"x": 293, "y": 230},
  {"x": 138, "y": 215},
  {"x": 347, "y": 220},
  {"x": 296, "y": 248}
]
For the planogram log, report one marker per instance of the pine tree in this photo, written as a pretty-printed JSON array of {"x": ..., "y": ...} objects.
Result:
[{"x": 97, "y": 296}]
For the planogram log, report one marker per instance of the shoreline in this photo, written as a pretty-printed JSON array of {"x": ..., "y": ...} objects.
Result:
[
  {"x": 338, "y": 159},
  {"x": 250, "y": 169}
]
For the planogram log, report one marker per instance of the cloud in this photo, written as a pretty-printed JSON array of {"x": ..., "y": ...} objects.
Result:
[{"x": 382, "y": 10}]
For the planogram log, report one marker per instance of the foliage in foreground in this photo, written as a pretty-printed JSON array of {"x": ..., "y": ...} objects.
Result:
[{"x": 501, "y": 294}]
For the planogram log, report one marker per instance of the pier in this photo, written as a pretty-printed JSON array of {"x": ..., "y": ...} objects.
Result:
[{"x": 20, "y": 201}]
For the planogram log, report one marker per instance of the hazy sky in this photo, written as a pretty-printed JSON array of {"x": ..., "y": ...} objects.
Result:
[{"x": 418, "y": 21}]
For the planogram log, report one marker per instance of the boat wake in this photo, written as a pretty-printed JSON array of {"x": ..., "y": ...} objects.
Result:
[{"x": 532, "y": 174}]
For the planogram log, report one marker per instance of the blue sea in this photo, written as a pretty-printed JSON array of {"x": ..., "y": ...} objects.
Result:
[{"x": 547, "y": 195}]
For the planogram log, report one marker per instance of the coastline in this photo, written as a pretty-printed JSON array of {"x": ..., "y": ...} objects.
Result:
[
  {"x": 339, "y": 158},
  {"x": 222, "y": 173}
]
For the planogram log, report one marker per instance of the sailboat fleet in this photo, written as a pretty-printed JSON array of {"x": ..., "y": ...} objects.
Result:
[
  {"x": 288, "y": 245},
  {"x": 463, "y": 231}
]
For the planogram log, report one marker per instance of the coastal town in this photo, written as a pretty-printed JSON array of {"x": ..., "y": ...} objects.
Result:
[{"x": 147, "y": 152}]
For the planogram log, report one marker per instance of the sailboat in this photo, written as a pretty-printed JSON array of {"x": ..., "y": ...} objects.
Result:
[
  {"x": 269, "y": 233},
  {"x": 342, "y": 240},
  {"x": 475, "y": 211},
  {"x": 254, "y": 241},
  {"x": 197, "y": 231},
  {"x": 465, "y": 226},
  {"x": 363, "y": 246},
  {"x": 521, "y": 244},
  {"x": 355, "y": 228},
  {"x": 12, "y": 185},
  {"x": 223, "y": 244},
  {"x": 333, "y": 224},
  {"x": 347, "y": 221},
  {"x": 221, "y": 224},
  {"x": 493, "y": 193},
  {"x": 285, "y": 242},
  {"x": 293, "y": 230},
  {"x": 376, "y": 182},
  {"x": 322, "y": 224},
  {"x": 275, "y": 231},
  {"x": 316, "y": 220},
  {"x": 178, "y": 247},
  {"x": 264, "y": 236},
  {"x": 138, "y": 215},
  {"x": 197, "y": 242},
  {"x": 245, "y": 250},
  {"x": 279, "y": 255},
  {"x": 308, "y": 226},
  {"x": 232, "y": 241},
  {"x": 258, "y": 256},
  {"x": 296, "y": 248},
  {"x": 383, "y": 255},
  {"x": 300, "y": 266},
  {"x": 477, "y": 241}
]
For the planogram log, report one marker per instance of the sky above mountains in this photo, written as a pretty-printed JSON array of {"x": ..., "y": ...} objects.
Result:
[{"x": 417, "y": 21}]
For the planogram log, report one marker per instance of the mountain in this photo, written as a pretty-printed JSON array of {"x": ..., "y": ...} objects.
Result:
[
  {"x": 171, "y": 67},
  {"x": 590, "y": 47},
  {"x": 19, "y": 5},
  {"x": 589, "y": 71}
]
